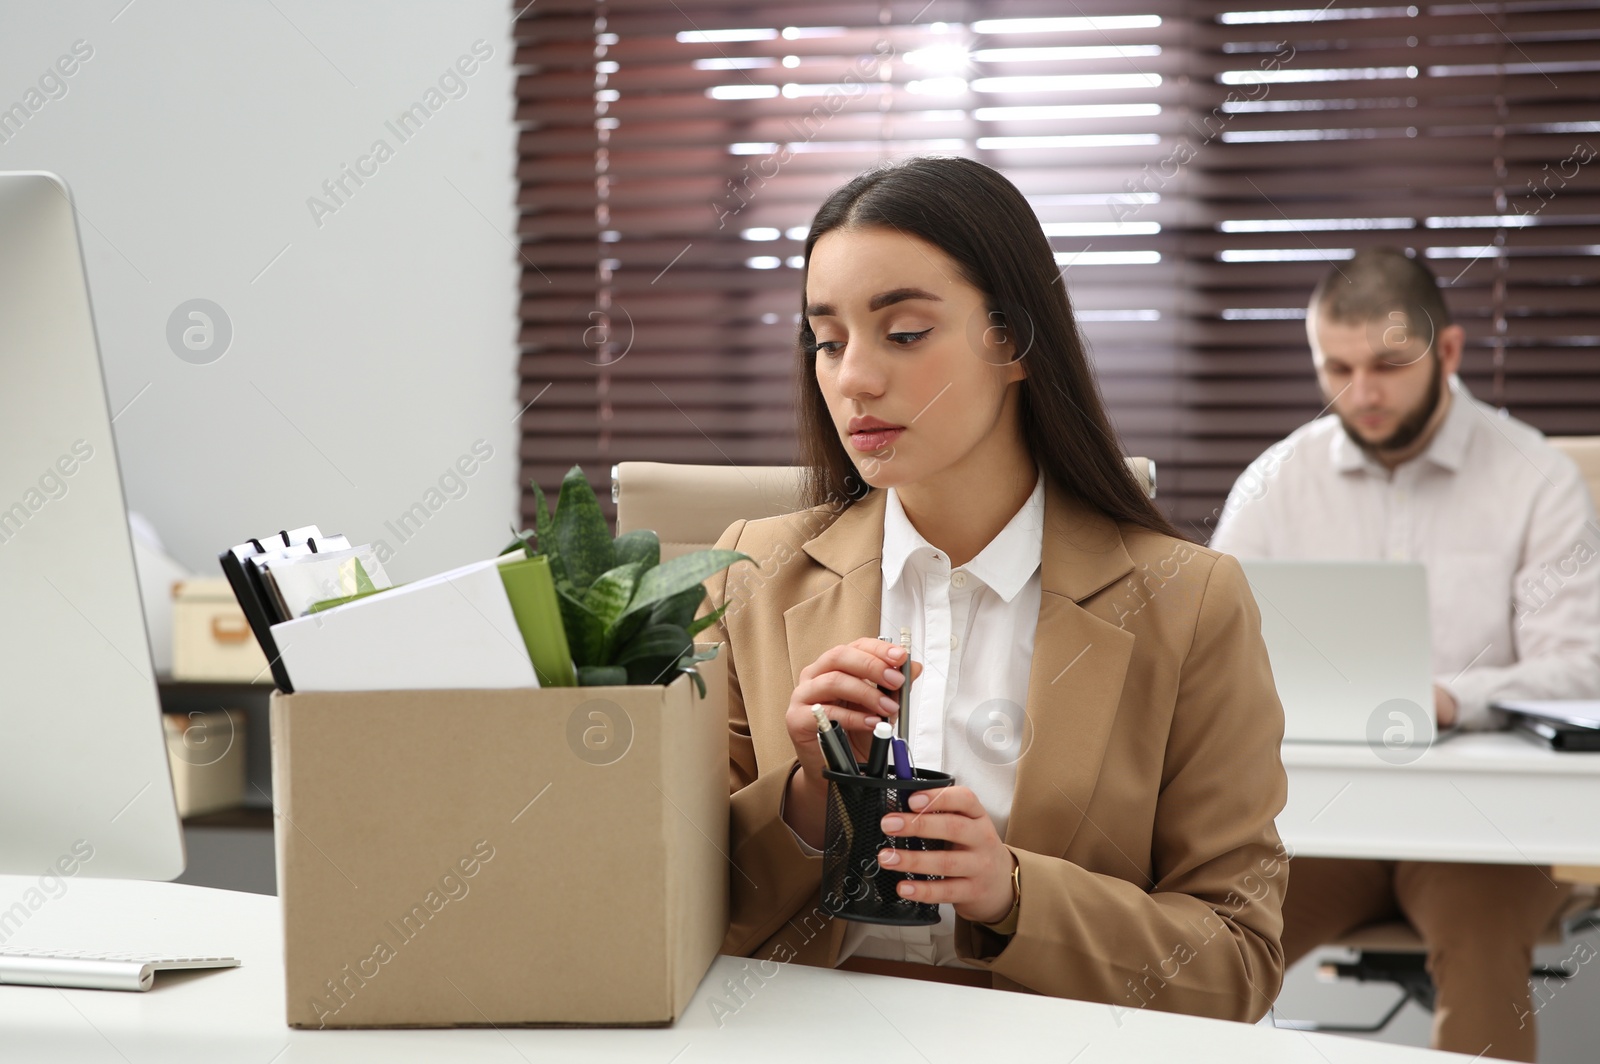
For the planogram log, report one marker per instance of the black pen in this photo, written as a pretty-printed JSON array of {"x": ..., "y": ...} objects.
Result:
[{"x": 834, "y": 750}]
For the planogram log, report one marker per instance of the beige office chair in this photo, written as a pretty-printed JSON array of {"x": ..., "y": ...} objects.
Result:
[
  {"x": 1393, "y": 952},
  {"x": 690, "y": 506}
]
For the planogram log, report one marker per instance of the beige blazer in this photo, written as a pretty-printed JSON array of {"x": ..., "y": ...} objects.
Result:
[{"x": 1142, "y": 821}]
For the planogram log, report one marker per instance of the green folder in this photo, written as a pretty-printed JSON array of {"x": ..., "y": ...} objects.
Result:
[{"x": 532, "y": 593}]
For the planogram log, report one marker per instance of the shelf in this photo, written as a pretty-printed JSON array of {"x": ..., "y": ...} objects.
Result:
[
  {"x": 252, "y": 699},
  {"x": 242, "y": 817},
  {"x": 212, "y": 688}
]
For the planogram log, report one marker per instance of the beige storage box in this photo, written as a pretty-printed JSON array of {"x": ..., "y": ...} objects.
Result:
[
  {"x": 207, "y": 755},
  {"x": 211, "y": 640},
  {"x": 530, "y": 856}
]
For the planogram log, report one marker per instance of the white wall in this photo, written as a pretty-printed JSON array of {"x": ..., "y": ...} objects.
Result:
[{"x": 379, "y": 346}]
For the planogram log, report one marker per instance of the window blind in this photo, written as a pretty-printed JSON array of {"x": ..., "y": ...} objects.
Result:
[
  {"x": 1466, "y": 133},
  {"x": 1196, "y": 166}
]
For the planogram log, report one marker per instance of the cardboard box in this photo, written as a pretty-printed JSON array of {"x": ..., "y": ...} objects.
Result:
[
  {"x": 211, "y": 640},
  {"x": 548, "y": 856},
  {"x": 207, "y": 754}
]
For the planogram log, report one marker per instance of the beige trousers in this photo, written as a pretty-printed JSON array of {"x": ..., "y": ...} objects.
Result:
[{"x": 1479, "y": 922}]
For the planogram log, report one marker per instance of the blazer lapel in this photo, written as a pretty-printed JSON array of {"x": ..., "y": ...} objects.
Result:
[
  {"x": 848, "y": 608},
  {"x": 1075, "y": 680}
]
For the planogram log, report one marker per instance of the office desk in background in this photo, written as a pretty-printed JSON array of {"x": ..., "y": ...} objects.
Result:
[
  {"x": 800, "y": 1014},
  {"x": 1491, "y": 797}
]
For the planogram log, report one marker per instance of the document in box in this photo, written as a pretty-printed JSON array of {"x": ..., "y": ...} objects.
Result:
[
  {"x": 454, "y": 630},
  {"x": 298, "y": 583}
]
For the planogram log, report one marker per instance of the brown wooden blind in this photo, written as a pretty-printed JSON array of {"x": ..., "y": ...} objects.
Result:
[
  {"x": 1454, "y": 130},
  {"x": 1196, "y": 166}
]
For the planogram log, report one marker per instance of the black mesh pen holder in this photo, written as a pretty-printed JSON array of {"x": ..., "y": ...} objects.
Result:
[{"x": 854, "y": 885}]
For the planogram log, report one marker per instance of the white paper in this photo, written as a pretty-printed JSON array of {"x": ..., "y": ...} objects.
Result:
[
  {"x": 453, "y": 630},
  {"x": 1582, "y": 713}
]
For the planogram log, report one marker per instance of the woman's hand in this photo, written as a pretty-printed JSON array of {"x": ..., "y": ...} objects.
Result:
[
  {"x": 845, "y": 680},
  {"x": 976, "y": 867}
]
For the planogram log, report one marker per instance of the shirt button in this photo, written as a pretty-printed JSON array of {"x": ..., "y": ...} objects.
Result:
[
  {"x": 953, "y": 641},
  {"x": 959, "y": 579}
]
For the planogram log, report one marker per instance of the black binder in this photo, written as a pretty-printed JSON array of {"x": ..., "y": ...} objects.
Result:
[{"x": 259, "y": 607}]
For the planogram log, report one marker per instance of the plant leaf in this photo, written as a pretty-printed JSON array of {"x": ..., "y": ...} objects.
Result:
[
  {"x": 663, "y": 669},
  {"x": 681, "y": 573},
  {"x": 581, "y": 532},
  {"x": 690, "y": 661},
  {"x": 545, "y": 528},
  {"x": 602, "y": 676},
  {"x": 653, "y": 655},
  {"x": 696, "y": 627},
  {"x": 625, "y": 629},
  {"x": 585, "y": 631},
  {"x": 656, "y": 640},
  {"x": 520, "y": 541},
  {"x": 543, "y": 523},
  {"x": 679, "y": 609},
  {"x": 640, "y": 545},
  {"x": 608, "y": 596},
  {"x": 650, "y": 671}
]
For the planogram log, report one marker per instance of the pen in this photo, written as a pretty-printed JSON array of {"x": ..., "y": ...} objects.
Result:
[
  {"x": 903, "y": 724},
  {"x": 878, "y": 755},
  {"x": 902, "y": 760},
  {"x": 834, "y": 750}
]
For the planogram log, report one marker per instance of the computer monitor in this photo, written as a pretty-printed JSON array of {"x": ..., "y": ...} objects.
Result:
[{"x": 85, "y": 785}]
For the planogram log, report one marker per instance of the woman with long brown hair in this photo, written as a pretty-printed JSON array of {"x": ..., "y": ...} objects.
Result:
[{"x": 1095, "y": 683}]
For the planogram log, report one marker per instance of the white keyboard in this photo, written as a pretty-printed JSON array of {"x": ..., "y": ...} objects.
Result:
[{"x": 94, "y": 971}]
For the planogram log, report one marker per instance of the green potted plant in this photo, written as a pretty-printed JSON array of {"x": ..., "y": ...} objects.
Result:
[{"x": 628, "y": 616}]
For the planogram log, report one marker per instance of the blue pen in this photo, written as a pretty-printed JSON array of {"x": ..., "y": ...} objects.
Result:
[{"x": 902, "y": 759}]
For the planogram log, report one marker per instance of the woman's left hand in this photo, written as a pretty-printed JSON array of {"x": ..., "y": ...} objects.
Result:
[{"x": 976, "y": 866}]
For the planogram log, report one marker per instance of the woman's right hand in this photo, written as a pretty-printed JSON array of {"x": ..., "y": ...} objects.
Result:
[{"x": 845, "y": 680}]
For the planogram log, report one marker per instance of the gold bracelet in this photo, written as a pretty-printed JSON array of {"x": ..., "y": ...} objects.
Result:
[{"x": 1007, "y": 925}]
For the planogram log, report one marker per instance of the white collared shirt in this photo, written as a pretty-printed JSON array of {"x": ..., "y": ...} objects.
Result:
[
  {"x": 972, "y": 630},
  {"x": 1503, "y": 522}
]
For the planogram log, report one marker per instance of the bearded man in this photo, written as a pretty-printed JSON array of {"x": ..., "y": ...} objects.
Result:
[{"x": 1410, "y": 467}]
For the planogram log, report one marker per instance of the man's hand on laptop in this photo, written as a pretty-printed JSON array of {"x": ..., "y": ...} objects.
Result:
[{"x": 1444, "y": 706}]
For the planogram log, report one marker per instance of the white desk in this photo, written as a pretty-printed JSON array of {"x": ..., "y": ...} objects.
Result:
[
  {"x": 801, "y": 1014},
  {"x": 1492, "y": 797}
]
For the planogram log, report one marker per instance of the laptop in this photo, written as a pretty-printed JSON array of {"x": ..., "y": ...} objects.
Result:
[{"x": 1351, "y": 650}]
